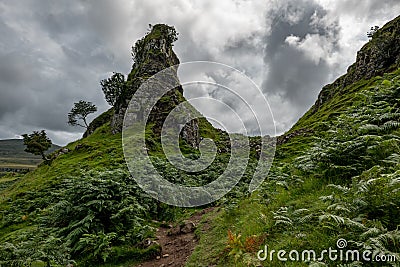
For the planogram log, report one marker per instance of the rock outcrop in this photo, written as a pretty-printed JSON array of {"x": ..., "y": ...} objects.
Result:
[
  {"x": 152, "y": 54},
  {"x": 380, "y": 55},
  {"x": 99, "y": 121}
]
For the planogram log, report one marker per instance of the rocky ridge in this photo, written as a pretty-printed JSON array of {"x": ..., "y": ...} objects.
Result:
[{"x": 380, "y": 55}]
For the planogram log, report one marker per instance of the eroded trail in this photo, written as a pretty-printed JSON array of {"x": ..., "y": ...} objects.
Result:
[{"x": 177, "y": 243}]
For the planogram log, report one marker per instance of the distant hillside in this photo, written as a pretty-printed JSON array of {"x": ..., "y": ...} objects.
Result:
[{"x": 13, "y": 156}]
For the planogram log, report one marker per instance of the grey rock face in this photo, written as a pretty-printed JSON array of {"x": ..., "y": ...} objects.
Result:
[
  {"x": 380, "y": 55},
  {"x": 153, "y": 54}
]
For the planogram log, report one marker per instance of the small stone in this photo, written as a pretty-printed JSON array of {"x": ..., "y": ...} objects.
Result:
[
  {"x": 165, "y": 255},
  {"x": 158, "y": 257},
  {"x": 174, "y": 231},
  {"x": 188, "y": 227},
  {"x": 146, "y": 243}
]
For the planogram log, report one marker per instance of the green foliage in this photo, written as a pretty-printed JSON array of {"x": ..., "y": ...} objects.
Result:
[
  {"x": 158, "y": 31},
  {"x": 371, "y": 33},
  {"x": 80, "y": 111},
  {"x": 360, "y": 154},
  {"x": 97, "y": 245},
  {"x": 37, "y": 143},
  {"x": 35, "y": 201},
  {"x": 98, "y": 202},
  {"x": 359, "y": 138},
  {"x": 88, "y": 215},
  {"x": 114, "y": 88},
  {"x": 341, "y": 183},
  {"x": 34, "y": 247}
]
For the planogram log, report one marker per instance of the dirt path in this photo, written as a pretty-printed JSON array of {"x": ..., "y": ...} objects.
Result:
[{"x": 177, "y": 243}]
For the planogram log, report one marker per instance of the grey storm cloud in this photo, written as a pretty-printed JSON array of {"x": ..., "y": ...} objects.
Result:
[
  {"x": 292, "y": 73},
  {"x": 309, "y": 43},
  {"x": 49, "y": 58},
  {"x": 54, "y": 53}
]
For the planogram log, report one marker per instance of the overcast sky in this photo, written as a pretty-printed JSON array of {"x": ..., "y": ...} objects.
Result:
[{"x": 54, "y": 53}]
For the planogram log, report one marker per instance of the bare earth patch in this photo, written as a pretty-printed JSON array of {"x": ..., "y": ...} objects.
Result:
[{"x": 177, "y": 243}]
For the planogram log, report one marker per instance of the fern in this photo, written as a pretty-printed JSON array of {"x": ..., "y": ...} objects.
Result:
[
  {"x": 332, "y": 218},
  {"x": 338, "y": 207},
  {"x": 279, "y": 219},
  {"x": 340, "y": 188},
  {"x": 306, "y": 219}
]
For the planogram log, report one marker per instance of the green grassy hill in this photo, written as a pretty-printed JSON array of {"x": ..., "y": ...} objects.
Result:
[{"x": 336, "y": 175}]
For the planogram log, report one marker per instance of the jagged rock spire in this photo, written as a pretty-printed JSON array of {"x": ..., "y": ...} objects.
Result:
[{"x": 152, "y": 54}]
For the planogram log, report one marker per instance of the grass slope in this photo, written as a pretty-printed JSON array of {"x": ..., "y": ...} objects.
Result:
[
  {"x": 287, "y": 213},
  {"x": 318, "y": 192},
  {"x": 91, "y": 184}
]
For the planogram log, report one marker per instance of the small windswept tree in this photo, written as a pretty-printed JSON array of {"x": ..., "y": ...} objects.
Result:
[
  {"x": 37, "y": 143},
  {"x": 79, "y": 112},
  {"x": 113, "y": 88}
]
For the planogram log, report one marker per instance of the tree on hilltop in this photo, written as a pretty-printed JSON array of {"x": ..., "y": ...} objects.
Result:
[{"x": 80, "y": 111}]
